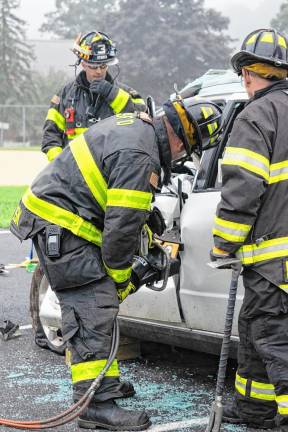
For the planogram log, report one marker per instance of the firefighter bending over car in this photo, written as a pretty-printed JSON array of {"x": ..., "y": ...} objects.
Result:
[
  {"x": 252, "y": 221},
  {"x": 92, "y": 96},
  {"x": 85, "y": 212}
]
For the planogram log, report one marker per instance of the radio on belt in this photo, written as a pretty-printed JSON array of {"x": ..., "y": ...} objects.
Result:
[{"x": 53, "y": 241}]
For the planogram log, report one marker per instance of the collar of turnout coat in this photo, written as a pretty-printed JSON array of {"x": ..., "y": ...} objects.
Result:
[{"x": 276, "y": 85}]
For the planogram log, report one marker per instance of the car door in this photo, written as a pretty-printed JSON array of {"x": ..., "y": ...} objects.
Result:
[{"x": 203, "y": 290}]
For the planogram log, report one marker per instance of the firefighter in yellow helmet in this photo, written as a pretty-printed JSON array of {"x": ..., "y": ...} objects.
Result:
[
  {"x": 97, "y": 207},
  {"x": 92, "y": 96},
  {"x": 251, "y": 222}
]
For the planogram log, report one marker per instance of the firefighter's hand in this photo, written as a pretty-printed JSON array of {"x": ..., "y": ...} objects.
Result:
[
  {"x": 101, "y": 87},
  {"x": 156, "y": 222},
  {"x": 124, "y": 292},
  {"x": 217, "y": 254}
]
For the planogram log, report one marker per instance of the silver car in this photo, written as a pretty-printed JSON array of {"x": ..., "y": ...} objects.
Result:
[{"x": 190, "y": 311}]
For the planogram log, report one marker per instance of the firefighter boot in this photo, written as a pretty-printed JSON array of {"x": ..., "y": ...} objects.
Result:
[
  {"x": 231, "y": 414},
  {"x": 127, "y": 389},
  {"x": 108, "y": 415}
]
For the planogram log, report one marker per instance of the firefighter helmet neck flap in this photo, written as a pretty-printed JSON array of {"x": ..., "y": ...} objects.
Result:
[
  {"x": 196, "y": 122},
  {"x": 263, "y": 46},
  {"x": 95, "y": 48}
]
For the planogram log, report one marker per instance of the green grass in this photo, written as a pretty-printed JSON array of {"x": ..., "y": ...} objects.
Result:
[{"x": 9, "y": 198}]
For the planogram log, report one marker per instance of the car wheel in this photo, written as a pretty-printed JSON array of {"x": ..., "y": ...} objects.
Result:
[{"x": 47, "y": 335}]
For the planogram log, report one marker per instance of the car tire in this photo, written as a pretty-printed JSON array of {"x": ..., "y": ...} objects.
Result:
[{"x": 43, "y": 336}]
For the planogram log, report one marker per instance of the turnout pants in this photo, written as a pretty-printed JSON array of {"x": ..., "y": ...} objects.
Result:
[
  {"x": 89, "y": 306},
  {"x": 262, "y": 378}
]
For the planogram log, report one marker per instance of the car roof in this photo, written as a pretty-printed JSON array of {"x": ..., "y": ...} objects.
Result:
[{"x": 213, "y": 84}]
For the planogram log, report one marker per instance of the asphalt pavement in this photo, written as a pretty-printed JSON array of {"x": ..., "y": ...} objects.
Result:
[{"x": 175, "y": 386}]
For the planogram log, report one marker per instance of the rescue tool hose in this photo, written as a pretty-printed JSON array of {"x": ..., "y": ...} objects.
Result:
[{"x": 76, "y": 409}]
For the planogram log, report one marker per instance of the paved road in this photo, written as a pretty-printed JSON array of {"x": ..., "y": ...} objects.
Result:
[{"x": 175, "y": 386}]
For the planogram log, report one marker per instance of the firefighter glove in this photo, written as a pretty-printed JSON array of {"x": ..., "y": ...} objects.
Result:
[
  {"x": 101, "y": 87},
  {"x": 156, "y": 222},
  {"x": 217, "y": 254},
  {"x": 124, "y": 292}
]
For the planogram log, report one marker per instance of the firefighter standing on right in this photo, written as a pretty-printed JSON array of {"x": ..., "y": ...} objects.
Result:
[{"x": 252, "y": 221}]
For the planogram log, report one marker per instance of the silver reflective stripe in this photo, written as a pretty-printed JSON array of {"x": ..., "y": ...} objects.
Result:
[
  {"x": 278, "y": 172},
  {"x": 240, "y": 384},
  {"x": 248, "y": 160},
  {"x": 282, "y": 404},
  {"x": 266, "y": 250},
  {"x": 239, "y": 234},
  {"x": 262, "y": 390}
]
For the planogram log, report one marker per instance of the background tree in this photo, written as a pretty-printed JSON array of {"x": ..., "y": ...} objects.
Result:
[
  {"x": 280, "y": 22},
  {"x": 16, "y": 56},
  {"x": 160, "y": 41}
]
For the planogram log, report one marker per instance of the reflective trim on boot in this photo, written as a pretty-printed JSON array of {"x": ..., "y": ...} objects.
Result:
[{"x": 107, "y": 415}]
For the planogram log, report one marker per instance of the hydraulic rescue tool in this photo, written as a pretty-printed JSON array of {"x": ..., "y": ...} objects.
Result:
[
  {"x": 215, "y": 418},
  {"x": 160, "y": 263}
]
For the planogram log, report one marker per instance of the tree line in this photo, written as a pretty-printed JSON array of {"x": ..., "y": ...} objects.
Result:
[{"x": 159, "y": 42}]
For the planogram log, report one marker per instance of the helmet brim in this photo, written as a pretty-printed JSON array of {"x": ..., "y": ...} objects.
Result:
[
  {"x": 244, "y": 58},
  {"x": 109, "y": 62}
]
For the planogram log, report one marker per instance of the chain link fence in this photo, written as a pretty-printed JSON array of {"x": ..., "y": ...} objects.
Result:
[{"x": 22, "y": 125}]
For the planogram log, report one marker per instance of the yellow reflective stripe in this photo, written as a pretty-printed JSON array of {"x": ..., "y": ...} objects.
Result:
[
  {"x": 284, "y": 287},
  {"x": 120, "y": 101},
  {"x": 57, "y": 118},
  {"x": 282, "y": 402},
  {"x": 89, "y": 170},
  {"x": 78, "y": 131},
  {"x": 64, "y": 218},
  {"x": 53, "y": 152},
  {"x": 248, "y": 160},
  {"x": 266, "y": 250},
  {"x": 267, "y": 37},
  {"x": 230, "y": 231},
  {"x": 258, "y": 390},
  {"x": 240, "y": 384},
  {"x": 129, "y": 198},
  {"x": 119, "y": 276},
  {"x": 138, "y": 101},
  {"x": 16, "y": 215},
  {"x": 212, "y": 127},
  {"x": 278, "y": 172},
  {"x": 251, "y": 40},
  {"x": 91, "y": 369},
  {"x": 263, "y": 391},
  {"x": 282, "y": 42}
]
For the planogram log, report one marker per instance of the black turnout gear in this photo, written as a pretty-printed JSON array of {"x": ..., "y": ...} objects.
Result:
[
  {"x": 251, "y": 221},
  {"x": 75, "y": 108},
  {"x": 99, "y": 191}
]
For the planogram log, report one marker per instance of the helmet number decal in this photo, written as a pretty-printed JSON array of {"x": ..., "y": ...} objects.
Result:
[{"x": 101, "y": 49}]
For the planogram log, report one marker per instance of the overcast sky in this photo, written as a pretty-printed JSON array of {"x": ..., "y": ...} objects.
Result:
[{"x": 245, "y": 15}]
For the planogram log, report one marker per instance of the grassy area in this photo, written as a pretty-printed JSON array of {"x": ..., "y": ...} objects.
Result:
[{"x": 9, "y": 198}]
